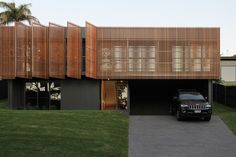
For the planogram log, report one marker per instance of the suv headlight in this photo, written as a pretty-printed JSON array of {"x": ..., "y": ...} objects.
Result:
[
  {"x": 208, "y": 105},
  {"x": 184, "y": 105}
]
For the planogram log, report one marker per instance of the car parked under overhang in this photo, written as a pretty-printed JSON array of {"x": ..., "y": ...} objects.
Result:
[{"x": 153, "y": 97}]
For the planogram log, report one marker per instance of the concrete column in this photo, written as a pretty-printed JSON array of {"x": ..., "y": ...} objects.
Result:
[
  {"x": 210, "y": 91},
  {"x": 128, "y": 97},
  {"x": 9, "y": 82}
]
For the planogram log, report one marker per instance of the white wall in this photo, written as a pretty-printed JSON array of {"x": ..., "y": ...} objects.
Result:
[
  {"x": 228, "y": 73},
  {"x": 228, "y": 70}
]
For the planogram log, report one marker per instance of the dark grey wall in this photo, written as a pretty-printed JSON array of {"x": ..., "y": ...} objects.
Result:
[
  {"x": 80, "y": 94},
  {"x": 16, "y": 94},
  {"x": 3, "y": 89}
]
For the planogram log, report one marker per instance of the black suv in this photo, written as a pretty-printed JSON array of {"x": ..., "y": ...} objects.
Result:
[{"x": 190, "y": 103}]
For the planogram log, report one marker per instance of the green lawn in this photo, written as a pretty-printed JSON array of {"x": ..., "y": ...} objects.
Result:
[
  {"x": 62, "y": 133},
  {"x": 3, "y": 104},
  {"x": 227, "y": 114}
]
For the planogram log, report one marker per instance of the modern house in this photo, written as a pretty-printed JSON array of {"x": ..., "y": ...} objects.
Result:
[{"x": 92, "y": 66}]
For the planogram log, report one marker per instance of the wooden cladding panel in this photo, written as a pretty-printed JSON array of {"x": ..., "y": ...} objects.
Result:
[
  {"x": 56, "y": 51},
  {"x": 23, "y": 51},
  {"x": 91, "y": 37},
  {"x": 158, "y": 53},
  {"x": 40, "y": 51},
  {"x": 7, "y": 52},
  {"x": 73, "y": 51}
]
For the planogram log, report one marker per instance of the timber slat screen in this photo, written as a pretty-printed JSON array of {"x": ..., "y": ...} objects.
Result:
[
  {"x": 56, "y": 51},
  {"x": 91, "y": 64},
  {"x": 7, "y": 52},
  {"x": 23, "y": 51},
  {"x": 156, "y": 53},
  {"x": 73, "y": 51},
  {"x": 40, "y": 51}
]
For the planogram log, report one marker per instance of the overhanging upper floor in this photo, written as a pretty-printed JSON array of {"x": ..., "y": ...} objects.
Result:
[
  {"x": 109, "y": 52},
  {"x": 152, "y": 53}
]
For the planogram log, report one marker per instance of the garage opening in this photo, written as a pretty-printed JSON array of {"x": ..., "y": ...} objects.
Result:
[{"x": 153, "y": 97}]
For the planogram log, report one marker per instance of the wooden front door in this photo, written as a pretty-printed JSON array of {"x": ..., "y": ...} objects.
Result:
[{"x": 108, "y": 95}]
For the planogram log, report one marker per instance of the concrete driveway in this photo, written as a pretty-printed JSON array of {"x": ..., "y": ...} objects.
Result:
[{"x": 164, "y": 136}]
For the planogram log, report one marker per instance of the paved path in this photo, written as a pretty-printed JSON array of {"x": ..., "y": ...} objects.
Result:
[{"x": 164, "y": 136}]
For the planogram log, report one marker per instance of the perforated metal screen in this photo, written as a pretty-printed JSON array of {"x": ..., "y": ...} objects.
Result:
[
  {"x": 73, "y": 51},
  {"x": 157, "y": 53},
  {"x": 40, "y": 51},
  {"x": 56, "y": 51},
  {"x": 91, "y": 52},
  {"x": 111, "y": 52},
  {"x": 7, "y": 52},
  {"x": 23, "y": 51}
]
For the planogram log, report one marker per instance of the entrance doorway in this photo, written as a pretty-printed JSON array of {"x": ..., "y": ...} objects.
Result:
[{"x": 114, "y": 95}]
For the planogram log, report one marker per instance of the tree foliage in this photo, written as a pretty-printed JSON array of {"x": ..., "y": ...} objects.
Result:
[{"x": 12, "y": 13}]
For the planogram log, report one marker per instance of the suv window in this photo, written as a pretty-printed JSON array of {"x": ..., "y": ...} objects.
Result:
[{"x": 191, "y": 96}]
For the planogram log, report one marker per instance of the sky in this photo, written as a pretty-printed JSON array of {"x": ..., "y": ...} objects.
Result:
[{"x": 150, "y": 13}]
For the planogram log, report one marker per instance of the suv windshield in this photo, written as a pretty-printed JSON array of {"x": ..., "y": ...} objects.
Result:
[{"x": 188, "y": 96}]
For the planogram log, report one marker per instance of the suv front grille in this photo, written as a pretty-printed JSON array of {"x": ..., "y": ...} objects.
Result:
[{"x": 197, "y": 107}]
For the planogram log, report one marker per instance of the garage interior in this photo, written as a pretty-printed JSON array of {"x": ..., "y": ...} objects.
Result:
[{"x": 153, "y": 97}]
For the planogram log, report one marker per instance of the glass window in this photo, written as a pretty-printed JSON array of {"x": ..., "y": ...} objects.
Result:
[
  {"x": 196, "y": 56},
  {"x": 149, "y": 64},
  {"x": 135, "y": 65},
  {"x": 141, "y": 58},
  {"x": 196, "y": 64},
  {"x": 119, "y": 66},
  {"x": 189, "y": 96},
  {"x": 177, "y": 58},
  {"x": 206, "y": 65}
]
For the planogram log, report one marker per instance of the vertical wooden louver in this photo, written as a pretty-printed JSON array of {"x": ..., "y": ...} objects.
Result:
[
  {"x": 7, "y": 52},
  {"x": 73, "y": 51},
  {"x": 56, "y": 51},
  {"x": 23, "y": 51},
  {"x": 39, "y": 51},
  {"x": 91, "y": 64}
]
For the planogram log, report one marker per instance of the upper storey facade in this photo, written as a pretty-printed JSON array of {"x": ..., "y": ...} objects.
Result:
[{"x": 110, "y": 52}]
